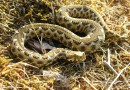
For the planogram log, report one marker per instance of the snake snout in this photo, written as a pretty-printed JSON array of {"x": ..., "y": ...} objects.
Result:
[{"x": 76, "y": 56}]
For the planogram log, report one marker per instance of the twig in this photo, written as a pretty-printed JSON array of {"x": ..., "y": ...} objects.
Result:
[
  {"x": 109, "y": 88},
  {"x": 122, "y": 48},
  {"x": 112, "y": 69},
  {"x": 88, "y": 81},
  {"x": 108, "y": 63}
]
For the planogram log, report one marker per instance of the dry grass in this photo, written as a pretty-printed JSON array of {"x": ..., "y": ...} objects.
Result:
[{"x": 111, "y": 71}]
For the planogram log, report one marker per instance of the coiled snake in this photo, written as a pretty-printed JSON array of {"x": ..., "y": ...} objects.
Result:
[{"x": 77, "y": 18}]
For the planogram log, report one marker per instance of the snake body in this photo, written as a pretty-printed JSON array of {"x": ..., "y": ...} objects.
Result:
[{"x": 77, "y": 18}]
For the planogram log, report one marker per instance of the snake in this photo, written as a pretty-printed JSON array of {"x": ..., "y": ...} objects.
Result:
[{"x": 70, "y": 19}]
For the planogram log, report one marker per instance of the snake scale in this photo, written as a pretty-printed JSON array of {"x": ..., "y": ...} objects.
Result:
[{"x": 77, "y": 18}]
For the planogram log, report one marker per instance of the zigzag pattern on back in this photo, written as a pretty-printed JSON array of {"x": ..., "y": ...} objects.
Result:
[{"x": 71, "y": 19}]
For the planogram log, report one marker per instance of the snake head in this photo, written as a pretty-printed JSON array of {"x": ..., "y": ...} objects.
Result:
[{"x": 76, "y": 56}]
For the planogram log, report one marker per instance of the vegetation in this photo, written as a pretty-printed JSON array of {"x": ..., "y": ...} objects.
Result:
[{"x": 109, "y": 69}]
